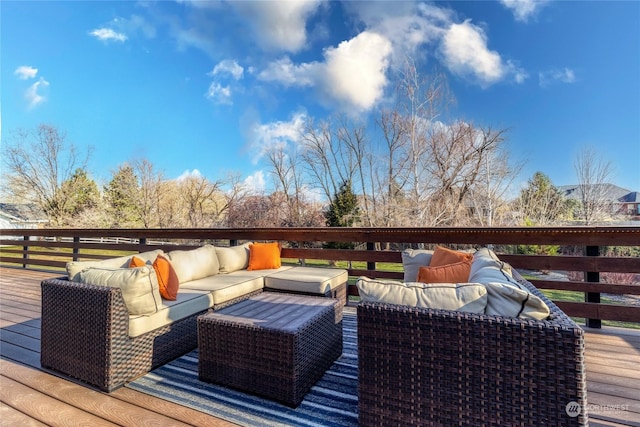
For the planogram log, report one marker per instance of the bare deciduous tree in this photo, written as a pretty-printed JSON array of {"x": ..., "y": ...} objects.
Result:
[
  {"x": 419, "y": 171},
  {"x": 488, "y": 200},
  {"x": 326, "y": 159},
  {"x": 388, "y": 181},
  {"x": 205, "y": 202},
  {"x": 593, "y": 173},
  {"x": 151, "y": 193},
  {"x": 197, "y": 194},
  {"x": 38, "y": 162},
  {"x": 288, "y": 182}
]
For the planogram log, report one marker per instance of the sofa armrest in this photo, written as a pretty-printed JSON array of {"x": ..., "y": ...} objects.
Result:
[
  {"x": 421, "y": 366},
  {"x": 81, "y": 325}
]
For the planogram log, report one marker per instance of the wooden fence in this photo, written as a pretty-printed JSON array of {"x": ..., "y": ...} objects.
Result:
[{"x": 53, "y": 248}]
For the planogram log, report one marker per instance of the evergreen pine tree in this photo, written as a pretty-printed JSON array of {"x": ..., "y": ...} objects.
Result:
[
  {"x": 121, "y": 195},
  {"x": 343, "y": 212}
]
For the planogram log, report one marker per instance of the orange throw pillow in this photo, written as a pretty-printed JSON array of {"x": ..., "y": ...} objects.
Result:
[
  {"x": 451, "y": 273},
  {"x": 264, "y": 256},
  {"x": 136, "y": 262},
  {"x": 444, "y": 256},
  {"x": 167, "y": 278}
]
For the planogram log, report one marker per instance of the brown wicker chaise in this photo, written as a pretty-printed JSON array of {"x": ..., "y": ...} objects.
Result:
[
  {"x": 422, "y": 366},
  {"x": 85, "y": 335}
]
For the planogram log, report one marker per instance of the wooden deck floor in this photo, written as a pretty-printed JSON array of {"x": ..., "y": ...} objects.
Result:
[{"x": 32, "y": 397}]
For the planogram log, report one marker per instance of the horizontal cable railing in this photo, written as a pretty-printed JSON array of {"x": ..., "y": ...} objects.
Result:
[{"x": 378, "y": 253}]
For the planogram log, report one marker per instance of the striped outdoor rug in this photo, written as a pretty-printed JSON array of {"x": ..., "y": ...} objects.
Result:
[{"x": 333, "y": 401}]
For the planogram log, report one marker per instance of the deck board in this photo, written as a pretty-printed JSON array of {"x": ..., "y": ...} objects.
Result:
[{"x": 32, "y": 396}]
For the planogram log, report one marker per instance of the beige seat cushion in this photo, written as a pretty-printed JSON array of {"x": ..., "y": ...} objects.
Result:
[
  {"x": 233, "y": 258},
  {"x": 507, "y": 297},
  {"x": 139, "y": 286},
  {"x": 412, "y": 260},
  {"x": 226, "y": 287},
  {"x": 195, "y": 263},
  {"x": 187, "y": 303},
  {"x": 74, "y": 267},
  {"x": 469, "y": 297},
  {"x": 306, "y": 279}
]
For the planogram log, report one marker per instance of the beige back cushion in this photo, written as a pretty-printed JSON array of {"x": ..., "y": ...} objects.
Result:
[
  {"x": 507, "y": 297},
  {"x": 507, "y": 300},
  {"x": 139, "y": 286},
  {"x": 469, "y": 297},
  {"x": 195, "y": 264},
  {"x": 412, "y": 260},
  {"x": 233, "y": 258},
  {"x": 75, "y": 267}
]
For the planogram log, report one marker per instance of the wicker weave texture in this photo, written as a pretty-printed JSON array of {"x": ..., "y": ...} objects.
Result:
[
  {"x": 85, "y": 336},
  {"x": 278, "y": 362},
  {"x": 446, "y": 368}
]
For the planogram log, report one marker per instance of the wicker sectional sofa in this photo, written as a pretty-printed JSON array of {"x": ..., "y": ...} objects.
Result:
[
  {"x": 89, "y": 333},
  {"x": 427, "y": 366}
]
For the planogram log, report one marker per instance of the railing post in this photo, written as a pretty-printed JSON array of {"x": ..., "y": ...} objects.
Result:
[
  {"x": 303, "y": 261},
  {"x": 142, "y": 242},
  {"x": 76, "y": 247},
  {"x": 592, "y": 277},
  {"x": 25, "y": 255},
  {"x": 371, "y": 265}
]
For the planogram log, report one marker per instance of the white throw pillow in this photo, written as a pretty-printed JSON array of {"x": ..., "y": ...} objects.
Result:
[
  {"x": 507, "y": 297},
  {"x": 139, "y": 286},
  {"x": 194, "y": 264},
  {"x": 469, "y": 297},
  {"x": 75, "y": 267},
  {"x": 233, "y": 258},
  {"x": 412, "y": 260}
]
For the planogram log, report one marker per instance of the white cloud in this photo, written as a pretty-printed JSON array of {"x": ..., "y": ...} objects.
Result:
[
  {"x": 565, "y": 75},
  {"x": 265, "y": 137},
  {"x": 195, "y": 173},
  {"x": 353, "y": 74},
  {"x": 255, "y": 183},
  {"x": 414, "y": 28},
  {"x": 524, "y": 9},
  {"x": 26, "y": 72},
  {"x": 285, "y": 72},
  {"x": 193, "y": 37},
  {"x": 34, "y": 98},
  {"x": 106, "y": 34},
  {"x": 407, "y": 25},
  {"x": 136, "y": 24},
  {"x": 230, "y": 67},
  {"x": 520, "y": 75},
  {"x": 465, "y": 52},
  {"x": 356, "y": 69},
  {"x": 219, "y": 94},
  {"x": 279, "y": 25}
]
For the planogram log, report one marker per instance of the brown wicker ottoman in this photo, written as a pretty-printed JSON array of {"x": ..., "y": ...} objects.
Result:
[{"x": 275, "y": 345}]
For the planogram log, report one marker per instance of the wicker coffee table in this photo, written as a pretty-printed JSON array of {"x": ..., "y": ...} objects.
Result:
[{"x": 275, "y": 345}]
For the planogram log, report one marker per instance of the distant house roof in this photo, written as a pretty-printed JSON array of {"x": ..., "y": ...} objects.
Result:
[
  {"x": 612, "y": 192},
  {"x": 22, "y": 213},
  {"x": 633, "y": 197}
]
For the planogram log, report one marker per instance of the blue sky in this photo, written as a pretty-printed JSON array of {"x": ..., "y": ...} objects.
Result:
[{"x": 206, "y": 86}]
